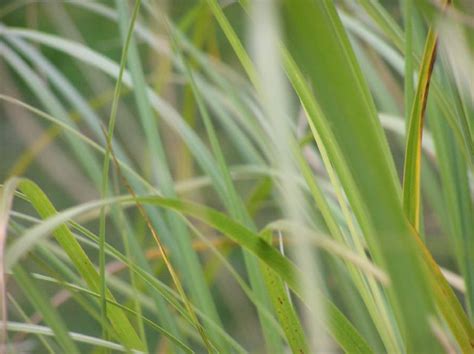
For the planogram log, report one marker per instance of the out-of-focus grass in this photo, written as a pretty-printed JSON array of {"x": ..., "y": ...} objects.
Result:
[{"x": 276, "y": 176}]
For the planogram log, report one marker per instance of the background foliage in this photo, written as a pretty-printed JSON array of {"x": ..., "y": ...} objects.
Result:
[{"x": 237, "y": 176}]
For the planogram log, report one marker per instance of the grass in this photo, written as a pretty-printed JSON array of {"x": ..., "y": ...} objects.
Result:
[{"x": 261, "y": 177}]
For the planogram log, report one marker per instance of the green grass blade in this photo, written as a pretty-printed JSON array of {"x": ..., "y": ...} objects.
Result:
[
  {"x": 79, "y": 289},
  {"x": 169, "y": 114},
  {"x": 54, "y": 106},
  {"x": 412, "y": 167},
  {"x": 285, "y": 311},
  {"x": 126, "y": 333},
  {"x": 390, "y": 28},
  {"x": 235, "y": 206},
  {"x": 408, "y": 13},
  {"x": 188, "y": 262},
  {"x": 446, "y": 299},
  {"x": 356, "y": 144},
  {"x": 41, "y": 303},
  {"x": 25, "y": 318},
  {"x": 384, "y": 20},
  {"x": 6, "y": 200},
  {"x": 234, "y": 40},
  {"x": 66, "y": 88},
  {"x": 338, "y": 325},
  {"x": 78, "y": 337},
  {"x": 455, "y": 188},
  {"x": 106, "y": 163},
  {"x": 172, "y": 297}
]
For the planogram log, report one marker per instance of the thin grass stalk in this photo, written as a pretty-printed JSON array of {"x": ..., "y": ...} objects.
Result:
[
  {"x": 167, "y": 261},
  {"x": 105, "y": 168}
]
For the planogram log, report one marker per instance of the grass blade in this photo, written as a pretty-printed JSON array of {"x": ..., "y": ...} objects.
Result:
[
  {"x": 29, "y": 328},
  {"x": 350, "y": 131},
  {"x": 338, "y": 325},
  {"x": 412, "y": 167},
  {"x": 121, "y": 324},
  {"x": 188, "y": 263},
  {"x": 6, "y": 201},
  {"x": 106, "y": 163},
  {"x": 235, "y": 206},
  {"x": 285, "y": 311},
  {"x": 408, "y": 13},
  {"x": 41, "y": 303}
]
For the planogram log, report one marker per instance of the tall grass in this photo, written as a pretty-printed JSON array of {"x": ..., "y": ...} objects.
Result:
[{"x": 225, "y": 176}]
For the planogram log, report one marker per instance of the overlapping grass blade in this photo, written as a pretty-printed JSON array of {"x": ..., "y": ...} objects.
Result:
[
  {"x": 310, "y": 161},
  {"x": 75, "y": 288},
  {"x": 126, "y": 333},
  {"x": 339, "y": 327},
  {"x": 351, "y": 133},
  {"x": 41, "y": 302},
  {"x": 78, "y": 337},
  {"x": 106, "y": 163},
  {"x": 408, "y": 13},
  {"x": 65, "y": 88},
  {"x": 390, "y": 28},
  {"x": 188, "y": 262},
  {"x": 445, "y": 297},
  {"x": 286, "y": 313},
  {"x": 455, "y": 188},
  {"x": 54, "y": 106},
  {"x": 412, "y": 167},
  {"x": 25, "y": 318},
  {"x": 235, "y": 206}
]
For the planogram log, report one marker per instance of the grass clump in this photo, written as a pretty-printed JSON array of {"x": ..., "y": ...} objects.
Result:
[{"x": 253, "y": 176}]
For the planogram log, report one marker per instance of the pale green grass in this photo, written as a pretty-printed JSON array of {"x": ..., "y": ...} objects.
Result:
[{"x": 269, "y": 177}]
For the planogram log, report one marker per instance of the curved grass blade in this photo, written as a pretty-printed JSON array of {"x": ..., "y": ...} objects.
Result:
[
  {"x": 42, "y": 304},
  {"x": 347, "y": 123},
  {"x": 462, "y": 142},
  {"x": 6, "y": 201},
  {"x": 390, "y": 28},
  {"x": 78, "y": 337},
  {"x": 338, "y": 325},
  {"x": 171, "y": 296},
  {"x": 234, "y": 204},
  {"x": 412, "y": 166},
  {"x": 286, "y": 313},
  {"x": 126, "y": 333},
  {"x": 150, "y": 323},
  {"x": 188, "y": 262},
  {"x": 453, "y": 312},
  {"x": 444, "y": 295},
  {"x": 459, "y": 208},
  {"x": 53, "y": 105},
  {"x": 25, "y": 318},
  {"x": 169, "y": 266},
  {"x": 412, "y": 194}
]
